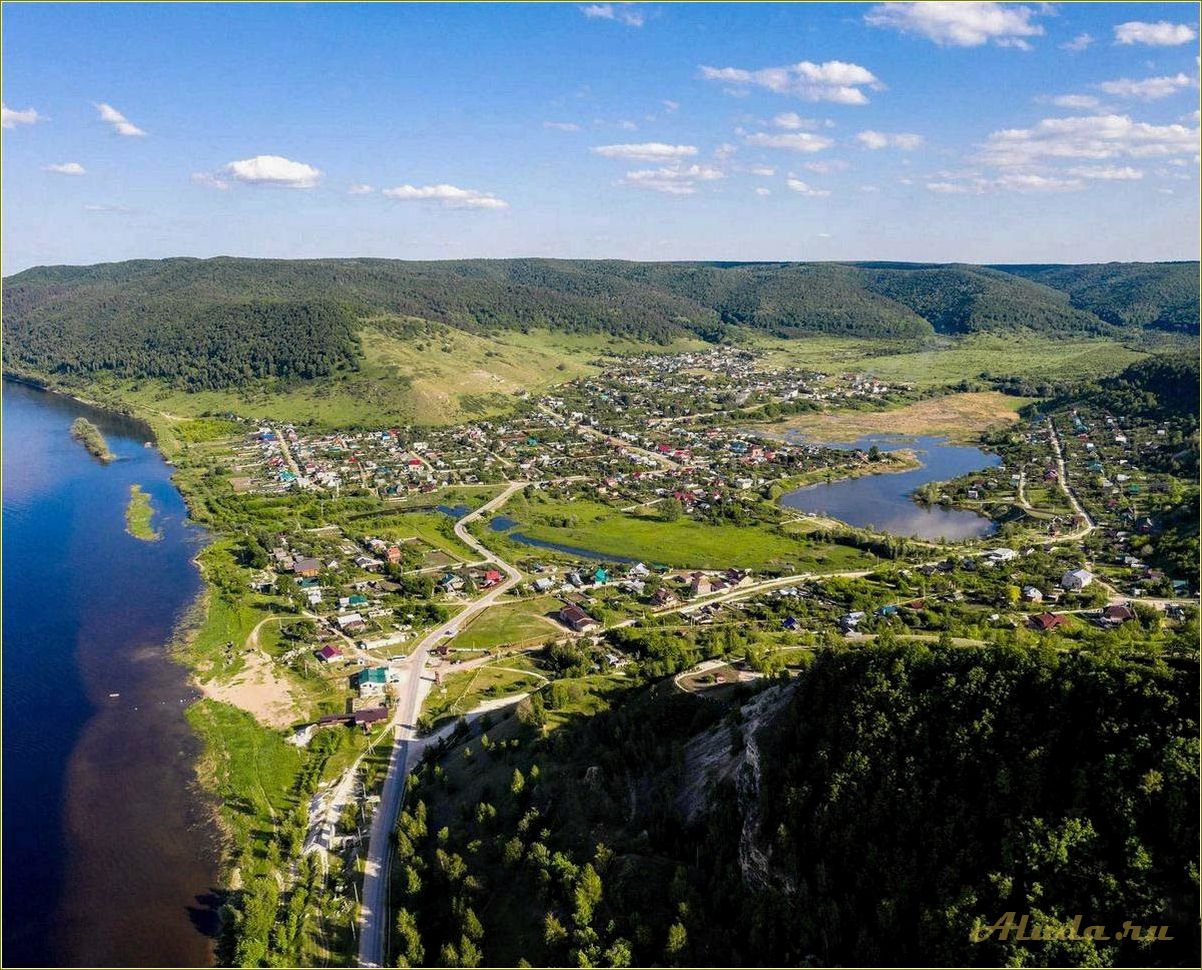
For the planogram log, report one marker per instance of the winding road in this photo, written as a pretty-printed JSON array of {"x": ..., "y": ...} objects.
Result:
[{"x": 373, "y": 911}]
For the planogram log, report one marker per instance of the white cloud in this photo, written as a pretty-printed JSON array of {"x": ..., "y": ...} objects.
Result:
[
  {"x": 1160, "y": 34},
  {"x": 681, "y": 180},
  {"x": 802, "y": 188},
  {"x": 826, "y": 166},
  {"x": 835, "y": 81},
  {"x": 107, "y": 209},
  {"x": 1147, "y": 89},
  {"x": 725, "y": 151},
  {"x": 273, "y": 170},
  {"x": 796, "y": 141},
  {"x": 1107, "y": 173},
  {"x": 562, "y": 125},
  {"x": 760, "y": 190},
  {"x": 670, "y": 105},
  {"x": 1089, "y": 137},
  {"x": 1078, "y": 43},
  {"x": 66, "y": 168},
  {"x": 210, "y": 181},
  {"x": 649, "y": 151},
  {"x": 960, "y": 24},
  {"x": 10, "y": 117},
  {"x": 767, "y": 171},
  {"x": 449, "y": 196},
  {"x": 1015, "y": 182},
  {"x": 903, "y": 140},
  {"x": 360, "y": 188},
  {"x": 792, "y": 121},
  {"x": 121, "y": 125},
  {"x": 869, "y": 188},
  {"x": 622, "y": 13},
  {"x": 1076, "y": 101}
]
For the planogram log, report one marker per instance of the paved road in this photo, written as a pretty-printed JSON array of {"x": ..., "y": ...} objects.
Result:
[{"x": 373, "y": 913}]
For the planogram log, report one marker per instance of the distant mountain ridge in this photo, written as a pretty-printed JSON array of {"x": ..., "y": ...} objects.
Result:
[{"x": 222, "y": 321}]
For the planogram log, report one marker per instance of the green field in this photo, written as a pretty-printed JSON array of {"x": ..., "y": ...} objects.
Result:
[
  {"x": 510, "y": 623},
  {"x": 684, "y": 543},
  {"x": 461, "y": 692},
  {"x": 139, "y": 514},
  {"x": 953, "y": 359}
]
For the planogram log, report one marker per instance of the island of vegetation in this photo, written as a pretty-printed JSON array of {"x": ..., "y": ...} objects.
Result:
[
  {"x": 660, "y": 717},
  {"x": 88, "y": 435},
  {"x": 138, "y": 515}
]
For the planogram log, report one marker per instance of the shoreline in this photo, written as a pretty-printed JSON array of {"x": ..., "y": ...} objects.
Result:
[{"x": 186, "y": 628}]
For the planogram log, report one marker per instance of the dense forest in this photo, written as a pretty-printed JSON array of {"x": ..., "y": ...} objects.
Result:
[
  {"x": 873, "y": 811},
  {"x": 220, "y": 322},
  {"x": 1161, "y": 296}
]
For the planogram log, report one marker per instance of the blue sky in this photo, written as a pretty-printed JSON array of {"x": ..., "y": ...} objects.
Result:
[{"x": 973, "y": 132}]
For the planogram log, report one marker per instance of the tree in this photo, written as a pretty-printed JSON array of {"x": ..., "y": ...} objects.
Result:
[
  {"x": 588, "y": 894},
  {"x": 671, "y": 510},
  {"x": 518, "y": 783},
  {"x": 553, "y": 930},
  {"x": 678, "y": 938},
  {"x": 410, "y": 952}
]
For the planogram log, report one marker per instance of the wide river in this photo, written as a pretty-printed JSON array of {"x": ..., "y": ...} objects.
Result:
[
  {"x": 884, "y": 503},
  {"x": 110, "y": 856}
]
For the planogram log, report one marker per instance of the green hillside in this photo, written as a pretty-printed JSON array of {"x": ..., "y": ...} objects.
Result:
[{"x": 207, "y": 323}]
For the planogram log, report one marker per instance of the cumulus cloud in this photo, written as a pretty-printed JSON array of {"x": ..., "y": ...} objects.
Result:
[
  {"x": 1160, "y": 34},
  {"x": 670, "y": 105},
  {"x": 903, "y": 140},
  {"x": 273, "y": 170},
  {"x": 620, "y": 12},
  {"x": 836, "y": 81},
  {"x": 11, "y": 118},
  {"x": 763, "y": 170},
  {"x": 66, "y": 168},
  {"x": 1107, "y": 173},
  {"x": 562, "y": 125},
  {"x": 795, "y": 141},
  {"x": 448, "y": 196},
  {"x": 679, "y": 180},
  {"x": 120, "y": 124},
  {"x": 1078, "y": 43},
  {"x": 104, "y": 208},
  {"x": 210, "y": 181},
  {"x": 760, "y": 190},
  {"x": 1088, "y": 137},
  {"x": 360, "y": 188},
  {"x": 648, "y": 151},
  {"x": 960, "y": 24},
  {"x": 1147, "y": 89},
  {"x": 792, "y": 121},
  {"x": 803, "y": 188}
]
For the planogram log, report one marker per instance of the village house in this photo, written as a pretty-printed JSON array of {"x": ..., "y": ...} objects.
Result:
[
  {"x": 373, "y": 681},
  {"x": 573, "y": 617},
  {"x": 1076, "y": 579},
  {"x": 306, "y": 566},
  {"x": 1047, "y": 621}
]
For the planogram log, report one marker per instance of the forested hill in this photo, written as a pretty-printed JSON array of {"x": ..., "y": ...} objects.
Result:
[{"x": 217, "y": 322}]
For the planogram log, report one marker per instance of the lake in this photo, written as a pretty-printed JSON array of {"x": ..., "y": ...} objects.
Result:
[
  {"x": 883, "y": 502},
  {"x": 110, "y": 854}
]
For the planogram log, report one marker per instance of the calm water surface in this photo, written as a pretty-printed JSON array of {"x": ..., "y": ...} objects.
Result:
[
  {"x": 109, "y": 854},
  {"x": 883, "y": 502}
]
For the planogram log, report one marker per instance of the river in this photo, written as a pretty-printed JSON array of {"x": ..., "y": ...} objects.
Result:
[
  {"x": 110, "y": 854},
  {"x": 884, "y": 503}
]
